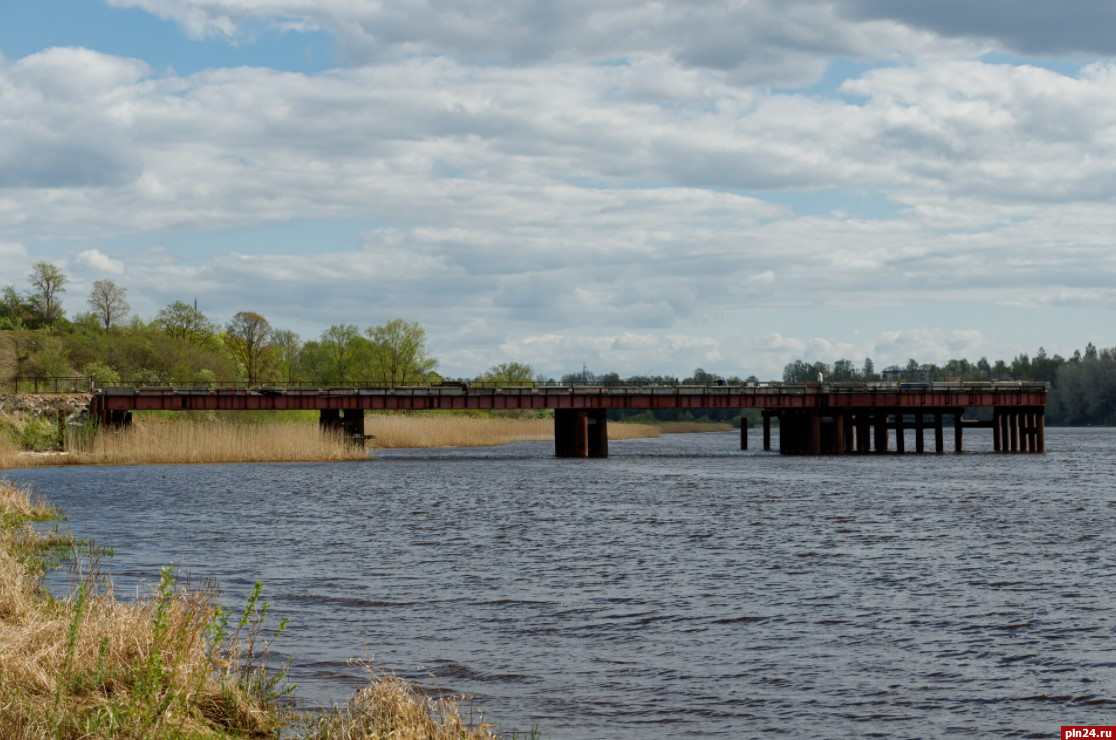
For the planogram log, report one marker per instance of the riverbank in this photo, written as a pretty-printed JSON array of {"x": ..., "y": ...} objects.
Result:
[{"x": 171, "y": 664}]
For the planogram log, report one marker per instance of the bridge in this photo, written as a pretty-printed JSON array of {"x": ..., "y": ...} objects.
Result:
[{"x": 811, "y": 418}]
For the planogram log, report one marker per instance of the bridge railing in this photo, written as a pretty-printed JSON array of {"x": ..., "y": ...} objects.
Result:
[
  {"x": 83, "y": 384},
  {"x": 479, "y": 389}
]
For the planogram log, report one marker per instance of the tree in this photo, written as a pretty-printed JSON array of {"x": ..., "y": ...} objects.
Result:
[
  {"x": 15, "y": 309},
  {"x": 109, "y": 302},
  {"x": 337, "y": 344},
  {"x": 701, "y": 377},
  {"x": 249, "y": 337},
  {"x": 48, "y": 285},
  {"x": 50, "y": 360},
  {"x": 182, "y": 321},
  {"x": 844, "y": 370},
  {"x": 399, "y": 353},
  {"x": 509, "y": 373},
  {"x": 287, "y": 347}
]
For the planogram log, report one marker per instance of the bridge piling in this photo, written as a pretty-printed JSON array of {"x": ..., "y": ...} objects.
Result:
[
  {"x": 347, "y": 422},
  {"x": 580, "y": 433}
]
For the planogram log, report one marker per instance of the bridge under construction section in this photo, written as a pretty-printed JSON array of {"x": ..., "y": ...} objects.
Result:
[{"x": 810, "y": 419}]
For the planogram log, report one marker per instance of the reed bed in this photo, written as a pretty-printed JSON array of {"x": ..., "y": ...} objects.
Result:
[
  {"x": 172, "y": 664},
  {"x": 398, "y": 431},
  {"x": 160, "y": 442},
  {"x": 694, "y": 427},
  {"x": 164, "y": 441}
]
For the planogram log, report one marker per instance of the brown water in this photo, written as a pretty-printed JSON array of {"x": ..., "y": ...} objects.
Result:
[{"x": 680, "y": 588}]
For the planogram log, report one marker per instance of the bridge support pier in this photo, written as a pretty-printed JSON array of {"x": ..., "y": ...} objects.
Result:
[
  {"x": 346, "y": 422},
  {"x": 1019, "y": 431},
  {"x": 106, "y": 417},
  {"x": 808, "y": 432},
  {"x": 580, "y": 433}
]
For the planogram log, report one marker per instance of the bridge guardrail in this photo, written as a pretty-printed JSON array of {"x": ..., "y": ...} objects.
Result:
[{"x": 80, "y": 384}]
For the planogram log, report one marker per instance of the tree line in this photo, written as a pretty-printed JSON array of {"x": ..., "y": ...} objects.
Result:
[
  {"x": 180, "y": 345},
  {"x": 1082, "y": 386}
]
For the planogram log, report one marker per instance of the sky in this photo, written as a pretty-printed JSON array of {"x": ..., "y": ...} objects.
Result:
[{"x": 637, "y": 186}]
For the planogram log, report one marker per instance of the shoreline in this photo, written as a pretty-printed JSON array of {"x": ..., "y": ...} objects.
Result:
[{"x": 172, "y": 663}]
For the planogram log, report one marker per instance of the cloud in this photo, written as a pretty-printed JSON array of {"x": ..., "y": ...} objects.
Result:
[
  {"x": 1072, "y": 27},
  {"x": 94, "y": 260},
  {"x": 760, "y": 42},
  {"x": 57, "y": 122},
  {"x": 626, "y": 184},
  {"x": 931, "y": 343},
  {"x": 15, "y": 252}
]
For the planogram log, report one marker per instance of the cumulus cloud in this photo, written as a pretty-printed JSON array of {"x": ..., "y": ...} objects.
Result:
[
  {"x": 760, "y": 42},
  {"x": 1071, "y": 26},
  {"x": 623, "y": 183},
  {"x": 58, "y": 126},
  {"x": 95, "y": 260}
]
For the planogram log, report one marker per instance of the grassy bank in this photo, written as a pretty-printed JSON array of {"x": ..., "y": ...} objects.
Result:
[{"x": 171, "y": 665}]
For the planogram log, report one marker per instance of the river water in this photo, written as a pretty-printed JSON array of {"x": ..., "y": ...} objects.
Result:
[{"x": 680, "y": 588}]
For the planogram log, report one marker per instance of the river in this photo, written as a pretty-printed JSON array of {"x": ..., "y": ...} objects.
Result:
[{"x": 680, "y": 588}]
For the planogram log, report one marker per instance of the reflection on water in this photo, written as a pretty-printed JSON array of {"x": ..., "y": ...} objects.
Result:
[{"x": 680, "y": 588}]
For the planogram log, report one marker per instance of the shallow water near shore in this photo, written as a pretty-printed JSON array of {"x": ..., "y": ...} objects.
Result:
[{"x": 680, "y": 588}]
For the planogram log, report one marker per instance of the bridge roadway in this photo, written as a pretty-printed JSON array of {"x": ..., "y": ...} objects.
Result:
[{"x": 813, "y": 418}]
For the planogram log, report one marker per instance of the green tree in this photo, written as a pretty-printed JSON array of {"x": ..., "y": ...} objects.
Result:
[
  {"x": 109, "y": 302},
  {"x": 48, "y": 284},
  {"x": 249, "y": 337},
  {"x": 339, "y": 345},
  {"x": 101, "y": 374},
  {"x": 287, "y": 350},
  {"x": 399, "y": 354},
  {"x": 15, "y": 309},
  {"x": 180, "y": 320},
  {"x": 50, "y": 359},
  {"x": 844, "y": 370},
  {"x": 509, "y": 373},
  {"x": 701, "y": 377}
]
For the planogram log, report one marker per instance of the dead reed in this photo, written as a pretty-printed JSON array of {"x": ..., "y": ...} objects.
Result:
[
  {"x": 173, "y": 664},
  {"x": 162, "y": 442},
  {"x": 423, "y": 431},
  {"x": 694, "y": 427},
  {"x": 392, "y": 707}
]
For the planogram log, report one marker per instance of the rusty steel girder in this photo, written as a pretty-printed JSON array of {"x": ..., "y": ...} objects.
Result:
[{"x": 770, "y": 397}]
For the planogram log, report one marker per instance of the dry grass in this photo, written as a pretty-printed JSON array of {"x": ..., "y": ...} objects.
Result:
[
  {"x": 165, "y": 666},
  {"x": 159, "y": 442},
  {"x": 470, "y": 431},
  {"x": 694, "y": 427},
  {"x": 391, "y": 707},
  {"x": 90, "y": 666}
]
